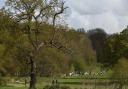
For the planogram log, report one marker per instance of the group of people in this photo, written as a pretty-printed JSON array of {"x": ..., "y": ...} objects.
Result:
[{"x": 55, "y": 82}]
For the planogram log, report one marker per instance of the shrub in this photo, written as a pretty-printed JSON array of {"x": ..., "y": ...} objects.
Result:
[
  {"x": 56, "y": 87},
  {"x": 2, "y": 81},
  {"x": 65, "y": 87}
]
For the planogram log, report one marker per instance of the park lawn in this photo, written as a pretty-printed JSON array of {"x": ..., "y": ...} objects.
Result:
[
  {"x": 43, "y": 81},
  {"x": 74, "y": 83},
  {"x": 11, "y": 87}
]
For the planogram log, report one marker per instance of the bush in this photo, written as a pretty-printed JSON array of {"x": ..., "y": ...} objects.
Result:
[
  {"x": 2, "y": 81},
  {"x": 65, "y": 87},
  {"x": 56, "y": 87}
]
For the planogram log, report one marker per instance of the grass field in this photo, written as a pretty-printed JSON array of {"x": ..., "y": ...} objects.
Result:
[{"x": 74, "y": 83}]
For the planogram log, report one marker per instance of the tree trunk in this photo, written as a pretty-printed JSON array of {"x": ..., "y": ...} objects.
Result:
[{"x": 32, "y": 74}]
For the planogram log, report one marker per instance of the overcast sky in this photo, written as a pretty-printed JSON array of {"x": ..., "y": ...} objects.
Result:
[{"x": 111, "y": 15}]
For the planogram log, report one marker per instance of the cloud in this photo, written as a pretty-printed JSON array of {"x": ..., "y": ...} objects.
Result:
[
  {"x": 99, "y": 6},
  {"x": 112, "y": 15}
]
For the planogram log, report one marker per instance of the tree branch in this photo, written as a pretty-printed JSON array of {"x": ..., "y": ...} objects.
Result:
[{"x": 54, "y": 19}]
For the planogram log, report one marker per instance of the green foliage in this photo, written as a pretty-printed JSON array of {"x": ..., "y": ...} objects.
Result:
[
  {"x": 2, "y": 81},
  {"x": 117, "y": 47},
  {"x": 121, "y": 68},
  {"x": 15, "y": 47},
  {"x": 98, "y": 38}
]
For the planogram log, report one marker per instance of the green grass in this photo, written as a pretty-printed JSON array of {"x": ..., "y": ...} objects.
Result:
[
  {"x": 12, "y": 87},
  {"x": 74, "y": 83}
]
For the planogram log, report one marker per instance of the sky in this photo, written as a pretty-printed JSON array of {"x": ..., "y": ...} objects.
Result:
[
  {"x": 2, "y": 3},
  {"x": 110, "y": 15}
]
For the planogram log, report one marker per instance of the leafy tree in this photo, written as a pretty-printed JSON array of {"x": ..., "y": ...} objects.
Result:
[
  {"x": 120, "y": 72},
  {"x": 116, "y": 48},
  {"x": 84, "y": 56},
  {"x": 33, "y": 14},
  {"x": 120, "y": 69},
  {"x": 98, "y": 38}
]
